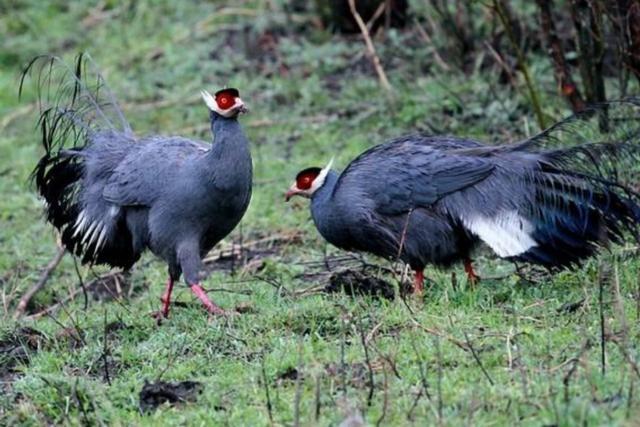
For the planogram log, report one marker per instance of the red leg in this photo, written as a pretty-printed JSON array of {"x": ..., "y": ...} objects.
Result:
[
  {"x": 418, "y": 282},
  {"x": 166, "y": 298},
  {"x": 472, "y": 277},
  {"x": 202, "y": 296}
]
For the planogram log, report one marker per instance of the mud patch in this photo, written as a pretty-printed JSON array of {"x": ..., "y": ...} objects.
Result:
[
  {"x": 287, "y": 376},
  {"x": 71, "y": 337},
  {"x": 16, "y": 349},
  {"x": 355, "y": 283},
  {"x": 155, "y": 394},
  {"x": 110, "y": 287},
  {"x": 249, "y": 255},
  {"x": 570, "y": 307}
]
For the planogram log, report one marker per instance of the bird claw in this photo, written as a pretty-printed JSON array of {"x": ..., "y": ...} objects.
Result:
[
  {"x": 208, "y": 304},
  {"x": 472, "y": 278}
]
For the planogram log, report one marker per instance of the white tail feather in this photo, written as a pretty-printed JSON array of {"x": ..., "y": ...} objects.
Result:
[
  {"x": 507, "y": 233},
  {"x": 101, "y": 238}
]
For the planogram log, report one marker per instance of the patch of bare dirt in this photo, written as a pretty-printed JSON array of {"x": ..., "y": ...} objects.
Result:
[
  {"x": 155, "y": 394},
  {"x": 16, "y": 349},
  {"x": 249, "y": 255},
  {"x": 352, "y": 282},
  {"x": 110, "y": 287}
]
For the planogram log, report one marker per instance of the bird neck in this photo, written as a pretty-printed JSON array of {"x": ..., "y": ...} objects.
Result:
[
  {"x": 228, "y": 162},
  {"x": 324, "y": 193},
  {"x": 228, "y": 138},
  {"x": 323, "y": 207}
]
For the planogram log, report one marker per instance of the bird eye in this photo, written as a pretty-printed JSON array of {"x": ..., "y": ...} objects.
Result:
[
  {"x": 224, "y": 101},
  {"x": 304, "y": 182}
]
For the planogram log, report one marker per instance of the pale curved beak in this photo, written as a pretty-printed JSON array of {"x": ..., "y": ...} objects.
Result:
[
  {"x": 292, "y": 191},
  {"x": 240, "y": 108}
]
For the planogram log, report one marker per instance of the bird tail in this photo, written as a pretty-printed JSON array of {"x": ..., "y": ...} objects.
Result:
[
  {"x": 76, "y": 108},
  {"x": 586, "y": 196}
]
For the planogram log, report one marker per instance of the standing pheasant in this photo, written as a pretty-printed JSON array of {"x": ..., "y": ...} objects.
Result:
[
  {"x": 553, "y": 200},
  {"x": 112, "y": 194}
]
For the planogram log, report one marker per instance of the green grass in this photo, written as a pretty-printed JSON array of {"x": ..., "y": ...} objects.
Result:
[{"x": 542, "y": 366}]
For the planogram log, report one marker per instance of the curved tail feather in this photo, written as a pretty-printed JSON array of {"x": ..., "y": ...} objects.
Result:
[
  {"x": 578, "y": 211},
  {"x": 77, "y": 110}
]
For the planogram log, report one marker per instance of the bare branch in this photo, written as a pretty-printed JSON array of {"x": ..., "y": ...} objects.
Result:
[{"x": 370, "y": 47}]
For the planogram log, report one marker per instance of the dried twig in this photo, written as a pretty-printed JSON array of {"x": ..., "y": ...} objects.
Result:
[
  {"x": 370, "y": 47},
  {"x": 587, "y": 20},
  {"x": 477, "y": 359},
  {"x": 574, "y": 366},
  {"x": 318, "y": 403},
  {"x": 235, "y": 250},
  {"x": 500, "y": 60},
  {"x": 265, "y": 382},
  {"x": 71, "y": 296},
  {"x": 603, "y": 276},
  {"x": 439, "y": 382},
  {"x": 385, "y": 399},
  {"x": 46, "y": 273},
  {"x": 105, "y": 350},
  {"x": 436, "y": 55},
  {"x": 367, "y": 360},
  {"x": 522, "y": 63},
  {"x": 568, "y": 88}
]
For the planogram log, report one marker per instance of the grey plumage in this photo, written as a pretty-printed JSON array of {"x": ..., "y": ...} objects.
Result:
[
  {"x": 113, "y": 194},
  {"x": 553, "y": 199}
]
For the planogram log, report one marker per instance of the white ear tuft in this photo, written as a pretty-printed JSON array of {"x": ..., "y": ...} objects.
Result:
[
  {"x": 328, "y": 167},
  {"x": 319, "y": 181},
  {"x": 208, "y": 99}
]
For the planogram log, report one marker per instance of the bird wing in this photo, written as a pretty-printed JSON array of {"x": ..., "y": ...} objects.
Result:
[
  {"x": 149, "y": 169},
  {"x": 414, "y": 172}
]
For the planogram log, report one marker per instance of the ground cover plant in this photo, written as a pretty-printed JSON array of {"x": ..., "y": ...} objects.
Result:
[{"x": 321, "y": 336}]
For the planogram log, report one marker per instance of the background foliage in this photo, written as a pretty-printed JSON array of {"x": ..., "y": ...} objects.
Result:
[{"x": 523, "y": 347}]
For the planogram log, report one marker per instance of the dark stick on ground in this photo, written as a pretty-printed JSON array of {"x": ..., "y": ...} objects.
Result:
[
  {"x": 638, "y": 295},
  {"x": 574, "y": 366},
  {"x": 298, "y": 395},
  {"x": 75, "y": 324},
  {"x": 105, "y": 350},
  {"x": 81, "y": 281},
  {"x": 421, "y": 370},
  {"x": 602, "y": 277},
  {"x": 44, "y": 277},
  {"x": 71, "y": 296},
  {"x": 423, "y": 380},
  {"x": 318, "y": 404},
  {"x": 477, "y": 359},
  {"x": 343, "y": 366},
  {"x": 439, "y": 382},
  {"x": 265, "y": 382},
  {"x": 385, "y": 397},
  {"x": 630, "y": 397},
  {"x": 367, "y": 360}
]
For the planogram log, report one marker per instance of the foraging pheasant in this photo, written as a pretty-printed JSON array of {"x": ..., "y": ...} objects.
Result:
[
  {"x": 113, "y": 194},
  {"x": 431, "y": 199}
]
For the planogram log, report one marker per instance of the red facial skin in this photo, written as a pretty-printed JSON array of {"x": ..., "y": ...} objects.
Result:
[
  {"x": 225, "y": 100},
  {"x": 303, "y": 182}
]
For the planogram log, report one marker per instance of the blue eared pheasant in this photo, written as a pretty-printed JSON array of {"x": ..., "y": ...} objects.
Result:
[
  {"x": 113, "y": 194},
  {"x": 553, "y": 200}
]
